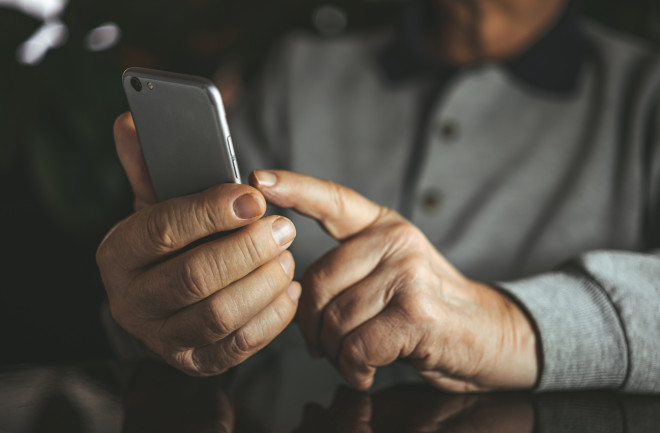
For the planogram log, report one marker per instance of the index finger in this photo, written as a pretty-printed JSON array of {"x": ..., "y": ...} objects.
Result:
[
  {"x": 156, "y": 232},
  {"x": 342, "y": 211}
]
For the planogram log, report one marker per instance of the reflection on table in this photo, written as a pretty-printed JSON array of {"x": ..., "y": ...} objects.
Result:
[{"x": 151, "y": 397}]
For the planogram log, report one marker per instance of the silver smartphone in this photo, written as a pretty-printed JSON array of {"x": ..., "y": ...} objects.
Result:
[{"x": 183, "y": 132}]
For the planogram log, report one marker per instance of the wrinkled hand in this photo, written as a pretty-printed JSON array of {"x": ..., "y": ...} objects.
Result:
[
  {"x": 202, "y": 306},
  {"x": 386, "y": 293}
]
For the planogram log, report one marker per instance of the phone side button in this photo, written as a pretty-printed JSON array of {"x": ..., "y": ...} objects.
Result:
[
  {"x": 230, "y": 145},
  {"x": 235, "y": 167}
]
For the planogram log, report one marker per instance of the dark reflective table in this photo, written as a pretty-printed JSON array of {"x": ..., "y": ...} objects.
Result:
[{"x": 146, "y": 396}]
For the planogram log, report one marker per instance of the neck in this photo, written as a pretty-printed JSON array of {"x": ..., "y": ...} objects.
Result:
[{"x": 480, "y": 30}]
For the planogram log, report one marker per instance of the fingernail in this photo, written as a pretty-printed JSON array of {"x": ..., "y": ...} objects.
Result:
[
  {"x": 265, "y": 178},
  {"x": 283, "y": 231},
  {"x": 286, "y": 260},
  {"x": 294, "y": 291},
  {"x": 247, "y": 206}
]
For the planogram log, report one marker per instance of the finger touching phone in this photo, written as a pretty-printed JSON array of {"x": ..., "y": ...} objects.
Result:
[{"x": 182, "y": 129}]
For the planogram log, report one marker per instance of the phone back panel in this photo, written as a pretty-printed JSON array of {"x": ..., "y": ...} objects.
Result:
[{"x": 182, "y": 130}]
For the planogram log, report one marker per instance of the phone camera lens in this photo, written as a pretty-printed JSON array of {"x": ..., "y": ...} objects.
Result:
[{"x": 137, "y": 85}]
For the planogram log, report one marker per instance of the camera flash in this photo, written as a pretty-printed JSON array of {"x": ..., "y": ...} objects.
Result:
[{"x": 150, "y": 85}]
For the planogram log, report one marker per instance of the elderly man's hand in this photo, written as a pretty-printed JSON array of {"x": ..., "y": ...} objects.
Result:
[
  {"x": 202, "y": 303},
  {"x": 386, "y": 293}
]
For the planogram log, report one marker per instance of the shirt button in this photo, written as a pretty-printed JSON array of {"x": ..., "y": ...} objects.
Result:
[
  {"x": 431, "y": 200},
  {"x": 448, "y": 130}
]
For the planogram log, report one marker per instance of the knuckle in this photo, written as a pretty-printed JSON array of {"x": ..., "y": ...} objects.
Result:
[
  {"x": 313, "y": 281},
  {"x": 332, "y": 317},
  {"x": 217, "y": 321},
  {"x": 311, "y": 278},
  {"x": 404, "y": 233},
  {"x": 360, "y": 382},
  {"x": 418, "y": 309},
  {"x": 160, "y": 232},
  {"x": 183, "y": 360},
  {"x": 244, "y": 343},
  {"x": 223, "y": 355},
  {"x": 252, "y": 251},
  {"x": 353, "y": 350},
  {"x": 413, "y": 269},
  {"x": 198, "y": 364},
  {"x": 417, "y": 296},
  {"x": 424, "y": 312},
  {"x": 338, "y": 199},
  {"x": 202, "y": 361},
  {"x": 209, "y": 213},
  {"x": 192, "y": 279},
  {"x": 415, "y": 273},
  {"x": 413, "y": 313}
]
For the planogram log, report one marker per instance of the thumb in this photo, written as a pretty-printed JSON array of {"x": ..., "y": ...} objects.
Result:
[
  {"x": 130, "y": 155},
  {"x": 340, "y": 210}
]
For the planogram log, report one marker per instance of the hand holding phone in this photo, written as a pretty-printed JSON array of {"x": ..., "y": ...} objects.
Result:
[{"x": 206, "y": 308}]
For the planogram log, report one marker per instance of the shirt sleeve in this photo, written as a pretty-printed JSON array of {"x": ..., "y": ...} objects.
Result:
[{"x": 598, "y": 321}]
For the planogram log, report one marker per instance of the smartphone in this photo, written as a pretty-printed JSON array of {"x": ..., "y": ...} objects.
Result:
[{"x": 182, "y": 129}]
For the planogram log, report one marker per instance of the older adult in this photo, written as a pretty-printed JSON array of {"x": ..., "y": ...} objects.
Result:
[{"x": 503, "y": 137}]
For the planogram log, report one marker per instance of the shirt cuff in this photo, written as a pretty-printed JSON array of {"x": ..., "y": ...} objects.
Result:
[{"x": 583, "y": 345}]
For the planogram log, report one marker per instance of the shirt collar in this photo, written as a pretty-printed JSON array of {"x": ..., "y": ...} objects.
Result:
[{"x": 552, "y": 64}]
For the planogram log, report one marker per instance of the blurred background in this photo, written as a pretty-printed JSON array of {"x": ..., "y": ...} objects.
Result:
[{"x": 61, "y": 185}]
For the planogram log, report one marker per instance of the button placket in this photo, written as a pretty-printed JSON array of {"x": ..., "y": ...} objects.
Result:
[{"x": 430, "y": 199}]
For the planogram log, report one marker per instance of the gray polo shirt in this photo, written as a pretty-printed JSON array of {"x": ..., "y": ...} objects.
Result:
[{"x": 549, "y": 192}]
